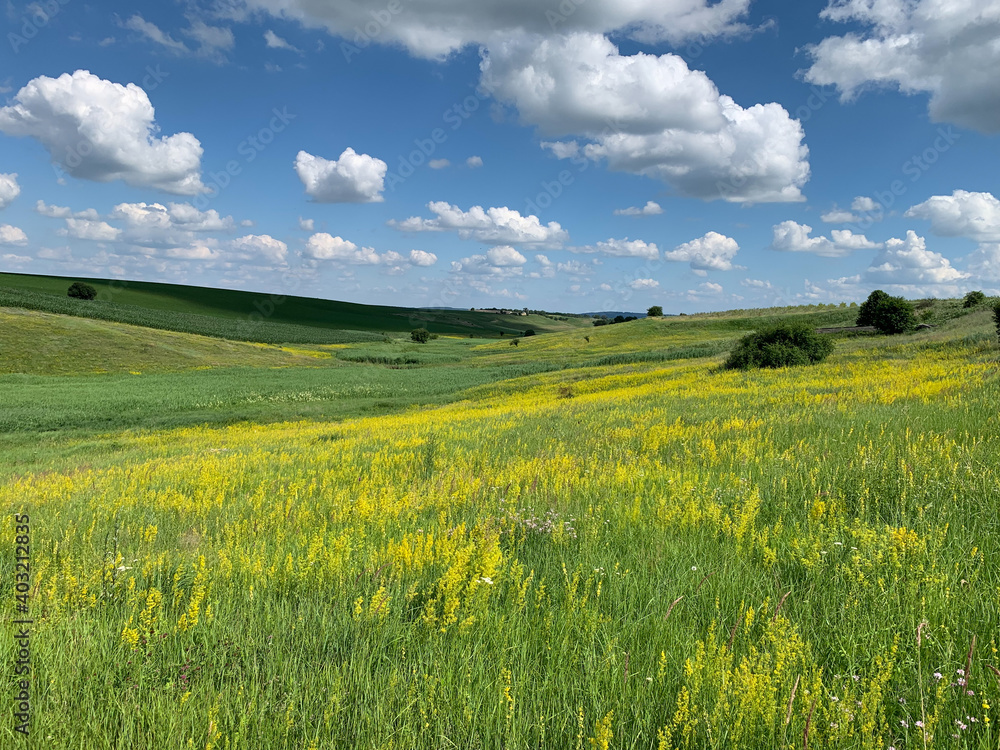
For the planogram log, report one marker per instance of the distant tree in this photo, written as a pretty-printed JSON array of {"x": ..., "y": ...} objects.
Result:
[
  {"x": 867, "y": 311},
  {"x": 420, "y": 335},
  {"x": 780, "y": 345},
  {"x": 601, "y": 321},
  {"x": 887, "y": 314},
  {"x": 629, "y": 318},
  {"x": 79, "y": 290},
  {"x": 996, "y": 317},
  {"x": 514, "y": 342},
  {"x": 529, "y": 332},
  {"x": 654, "y": 312},
  {"x": 973, "y": 298},
  {"x": 619, "y": 319}
]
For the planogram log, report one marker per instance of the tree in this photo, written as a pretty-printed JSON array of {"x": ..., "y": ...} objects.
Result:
[
  {"x": 886, "y": 314},
  {"x": 79, "y": 290},
  {"x": 996, "y": 317},
  {"x": 866, "y": 313},
  {"x": 600, "y": 321},
  {"x": 654, "y": 312},
  {"x": 529, "y": 332},
  {"x": 780, "y": 345},
  {"x": 420, "y": 335},
  {"x": 973, "y": 298}
]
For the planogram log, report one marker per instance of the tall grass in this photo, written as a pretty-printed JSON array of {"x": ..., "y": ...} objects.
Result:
[{"x": 656, "y": 556}]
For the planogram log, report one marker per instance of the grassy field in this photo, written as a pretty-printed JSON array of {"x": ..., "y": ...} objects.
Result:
[
  {"x": 568, "y": 543},
  {"x": 251, "y": 316}
]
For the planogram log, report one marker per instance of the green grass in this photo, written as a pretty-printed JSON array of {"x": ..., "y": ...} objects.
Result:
[
  {"x": 44, "y": 343},
  {"x": 513, "y": 547},
  {"x": 252, "y": 316}
]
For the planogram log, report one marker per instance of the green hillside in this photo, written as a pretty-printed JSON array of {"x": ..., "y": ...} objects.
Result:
[{"x": 251, "y": 314}]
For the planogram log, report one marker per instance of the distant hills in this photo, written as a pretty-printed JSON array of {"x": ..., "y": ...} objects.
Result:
[{"x": 253, "y": 316}]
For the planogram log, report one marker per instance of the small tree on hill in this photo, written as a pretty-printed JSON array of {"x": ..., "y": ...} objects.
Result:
[
  {"x": 79, "y": 290},
  {"x": 886, "y": 314},
  {"x": 780, "y": 345},
  {"x": 529, "y": 332},
  {"x": 654, "y": 312},
  {"x": 996, "y": 317},
  {"x": 973, "y": 298},
  {"x": 420, "y": 335}
]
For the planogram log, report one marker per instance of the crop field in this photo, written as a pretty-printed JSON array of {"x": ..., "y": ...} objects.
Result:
[
  {"x": 254, "y": 316},
  {"x": 593, "y": 539}
]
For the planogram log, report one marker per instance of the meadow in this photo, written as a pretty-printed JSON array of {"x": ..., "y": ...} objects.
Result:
[{"x": 593, "y": 539}]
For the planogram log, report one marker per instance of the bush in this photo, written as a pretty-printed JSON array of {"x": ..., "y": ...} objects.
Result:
[
  {"x": 996, "y": 317},
  {"x": 79, "y": 290},
  {"x": 886, "y": 314},
  {"x": 780, "y": 345},
  {"x": 654, "y": 312},
  {"x": 973, "y": 298},
  {"x": 529, "y": 332},
  {"x": 420, "y": 335}
]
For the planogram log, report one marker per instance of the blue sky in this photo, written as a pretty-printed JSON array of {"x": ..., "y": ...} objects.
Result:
[{"x": 575, "y": 155}]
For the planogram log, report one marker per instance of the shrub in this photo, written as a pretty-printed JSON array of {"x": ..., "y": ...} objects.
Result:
[
  {"x": 79, "y": 290},
  {"x": 529, "y": 332},
  {"x": 780, "y": 345},
  {"x": 996, "y": 317},
  {"x": 420, "y": 335},
  {"x": 973, "y": 298},
  {"x": 886, "y": 314},
  {"x": 654, "y": 312}
]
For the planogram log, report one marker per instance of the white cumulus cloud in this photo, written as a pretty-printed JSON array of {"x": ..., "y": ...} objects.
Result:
[
  {"x": 796, "y": 238},
  {"x": 422, "y": 258},
  {"x": 495, "y": 225},
  {"x": 624, "y": 248},
  {"x": 436, "y": 28},
  {"x": 505, "y": 255},
  {"x": 353, "y": 178},
  {"x": 649, "y": 115},
  {"x": 9, "y": 189},
  {"x": 713, "y": 252},
  {"x": 325, "y": 247},
  {"x": 984, "y": 262},
  {"x": 961, "y": 214},
  {"x": 98, "y": 130},
  {"x": 260, "y": 246},
  {"x": 87, "y": 229},
  {"x": 652, "y": 208},
  {"x": 949, "y": 50},
  {"x": 644, "y": 284},
  {"x": 908, "y": 262},
  {"x": 11, "y": 235}
]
